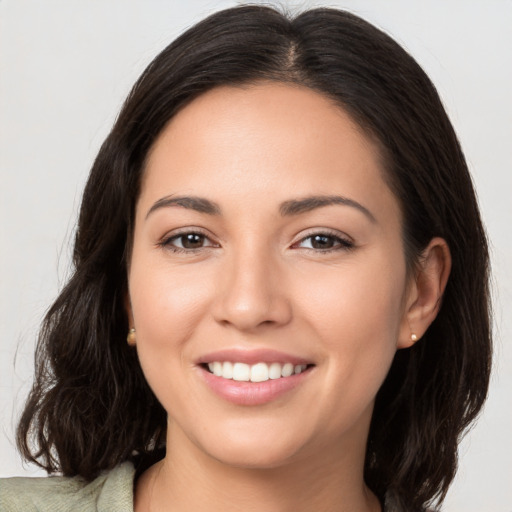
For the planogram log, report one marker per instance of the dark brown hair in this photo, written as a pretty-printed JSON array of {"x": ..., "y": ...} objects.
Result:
[{"x": 90, "y": 407}]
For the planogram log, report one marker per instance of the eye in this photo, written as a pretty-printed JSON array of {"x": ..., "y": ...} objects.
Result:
[
  {"x": 324, "y": 242},
  {"x": 188, "y": 241}
]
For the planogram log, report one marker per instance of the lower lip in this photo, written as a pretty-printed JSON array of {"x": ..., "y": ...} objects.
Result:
[{"x": 252, "y": 393}]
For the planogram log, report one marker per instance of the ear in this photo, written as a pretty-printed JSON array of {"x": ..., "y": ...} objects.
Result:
[{"x": 425, "y": 292}]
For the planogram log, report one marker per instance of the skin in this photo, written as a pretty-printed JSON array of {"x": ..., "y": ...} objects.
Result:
[{"x": 258, "y": 280}]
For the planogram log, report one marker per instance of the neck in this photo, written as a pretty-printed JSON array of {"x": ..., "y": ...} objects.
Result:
[{"x": 187, "y": 479}]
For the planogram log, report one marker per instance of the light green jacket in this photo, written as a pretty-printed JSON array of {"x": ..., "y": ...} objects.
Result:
[{"x": 112, "y": 491}]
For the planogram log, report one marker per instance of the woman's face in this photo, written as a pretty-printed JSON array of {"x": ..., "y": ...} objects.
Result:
[{"x": 266, "y": 240}]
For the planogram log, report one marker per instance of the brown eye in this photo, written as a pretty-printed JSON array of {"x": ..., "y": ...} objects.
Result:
[
  {"x": 191, "y": 240},
  {"x": 322, "y": 242},
  {"x": 187, "y": 242},
  {"x": 325, "y": 242}
]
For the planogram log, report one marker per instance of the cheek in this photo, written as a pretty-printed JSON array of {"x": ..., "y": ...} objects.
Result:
[
  {"x": 356, "y": 313},
  {"x": 167, "y": 304},
  {"x": 355, "y": 302},
  {"x": 165, "y": 301},
  {"x": 356, "y": 320}
]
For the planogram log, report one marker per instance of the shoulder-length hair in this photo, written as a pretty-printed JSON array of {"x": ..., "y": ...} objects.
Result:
[{"x": 90, "y": 407}]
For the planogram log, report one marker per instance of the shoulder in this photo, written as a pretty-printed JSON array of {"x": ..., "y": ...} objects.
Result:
[{"x": 112, "y": 491}]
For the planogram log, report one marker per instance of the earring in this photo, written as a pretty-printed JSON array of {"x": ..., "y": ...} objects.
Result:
[
  {"x": 131, "y": 339},
  {"x": 414, "y": 338}
]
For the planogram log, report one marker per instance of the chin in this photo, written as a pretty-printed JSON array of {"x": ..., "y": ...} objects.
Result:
[
  {"x": 254, "y": 451},
  {"x": 253, "y": 459}
]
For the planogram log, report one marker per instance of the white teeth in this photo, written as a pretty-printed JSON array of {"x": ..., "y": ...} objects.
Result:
[
  {"x": 287, "y": 370},
  {"x": 217, "y": 369},
  {"x": 274, "y": 371},
  {"x": 241, "y": 372},
  {"x": 227, "y": 370},
  {"x": 259, "y": 372}
]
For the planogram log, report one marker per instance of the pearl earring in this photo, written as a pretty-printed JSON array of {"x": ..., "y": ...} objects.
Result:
[{"x": 131, "y": 339}]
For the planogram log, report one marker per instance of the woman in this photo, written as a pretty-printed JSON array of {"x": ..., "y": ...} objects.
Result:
[{"x": 280, "y": 295}]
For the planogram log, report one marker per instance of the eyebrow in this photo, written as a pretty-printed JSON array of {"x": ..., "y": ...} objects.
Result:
[
  {"x": 298, "y": 206},
  {"x": 199, "y": 204},
  {"x": 286, "y": 209}
]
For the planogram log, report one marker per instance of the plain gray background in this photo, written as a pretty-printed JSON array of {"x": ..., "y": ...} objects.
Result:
[{"x": 65, "y": 68}]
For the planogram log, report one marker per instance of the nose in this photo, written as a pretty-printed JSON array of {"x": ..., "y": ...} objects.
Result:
[{"x": 252, "y": 292}]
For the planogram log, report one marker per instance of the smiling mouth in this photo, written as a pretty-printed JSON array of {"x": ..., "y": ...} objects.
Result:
[{"x": 259, "y": 372}]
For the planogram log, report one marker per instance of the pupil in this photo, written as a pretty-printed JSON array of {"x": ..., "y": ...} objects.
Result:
[
  {"x": 192, "y": 241},
  {"x": 322, "y": 242}
]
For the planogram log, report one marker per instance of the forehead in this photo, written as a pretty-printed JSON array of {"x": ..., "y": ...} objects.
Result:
[
  {"x": 266, "y": 110},
  {"x": 269, "y": 139}
]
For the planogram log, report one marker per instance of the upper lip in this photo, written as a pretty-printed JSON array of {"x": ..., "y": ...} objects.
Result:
[{"x": 252, "y": 356}]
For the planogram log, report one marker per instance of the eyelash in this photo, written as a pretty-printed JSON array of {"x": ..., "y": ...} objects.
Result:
[
  {"x": 166, "y": 243},
  {"x": 342, "y": 244}
]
